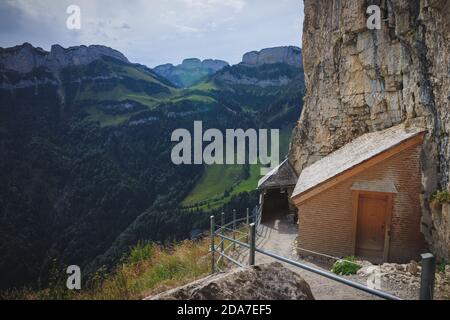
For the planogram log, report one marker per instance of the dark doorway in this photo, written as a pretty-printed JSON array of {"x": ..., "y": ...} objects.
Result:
[{"x": 276, "y": 204}]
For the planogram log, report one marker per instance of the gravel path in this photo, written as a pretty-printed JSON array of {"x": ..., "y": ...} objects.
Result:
[{"x": 279, "y": 237}]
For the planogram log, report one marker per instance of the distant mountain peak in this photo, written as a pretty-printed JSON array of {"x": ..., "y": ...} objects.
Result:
[
  {"x": 289, "y": 54},
  {"x": 190, "y": 71},
  {"x": 24, "y": 58}
]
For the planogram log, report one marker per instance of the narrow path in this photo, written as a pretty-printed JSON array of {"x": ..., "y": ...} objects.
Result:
[{"x": 279, "y": 237}]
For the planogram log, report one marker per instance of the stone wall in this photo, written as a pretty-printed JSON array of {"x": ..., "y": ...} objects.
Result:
[{"x": 361, "y": 80}]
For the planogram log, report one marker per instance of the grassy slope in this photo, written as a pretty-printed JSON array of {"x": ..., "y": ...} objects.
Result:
[
  {"x": 214, "y": 182},
  {"x": 197, "y": 94},
  {"x": 122, "y": 94},
  {"x": 217, "y": 179},
  {"x": 146, "y": 271}
]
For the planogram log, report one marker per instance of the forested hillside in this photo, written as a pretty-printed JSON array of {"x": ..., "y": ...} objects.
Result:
[{"x": 85, "y": 168}]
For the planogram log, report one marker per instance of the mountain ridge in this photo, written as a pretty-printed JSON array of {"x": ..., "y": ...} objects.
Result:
[
  {"x": 190, "y": 71},
  {"x": 25, "y": 58},
  {"x": 290, "y": 55}
]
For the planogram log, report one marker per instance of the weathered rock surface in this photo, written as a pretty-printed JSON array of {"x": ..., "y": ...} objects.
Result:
[
  {"x": 441, "y": 222},
  {"x": 25, "y": 58},
  {"x": 360, "y": 80},
  {"x": 290, "y": 55},
  {"x": 263, "y": 282},
  {"x": 261, "y": 69},
  {"x": 406, "y": 277}
]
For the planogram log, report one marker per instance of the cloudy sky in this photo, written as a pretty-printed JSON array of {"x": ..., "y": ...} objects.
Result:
[{"x": 153, "y": 32}]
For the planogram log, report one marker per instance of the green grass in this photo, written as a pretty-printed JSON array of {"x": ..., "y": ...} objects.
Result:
[
  {"x": 206, "y": 198},
  {"x": 215, "y": 181},
  {"x": 148, "y": 270},
  {"x": 146, "y": 100},
  {"x": 209, "y": 193},
  {"x": 205, "y": 86},
  {"x": 194, "y": 98},
  {"x": 249, "y": 184},
  {"x": 156, "y": 270},
  {"x": 106, "y": 120},
  {"x": 346, "y": 266},
  {"x": 441, "y": 197},
  {"x": 121, "y": 94},
  {"x": 89, "y": 93}
]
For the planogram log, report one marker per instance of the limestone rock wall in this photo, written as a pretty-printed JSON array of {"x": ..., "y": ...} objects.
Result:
[{"x": 360, "y": 80}]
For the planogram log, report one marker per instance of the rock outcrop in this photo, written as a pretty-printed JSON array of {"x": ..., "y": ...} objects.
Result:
[
  {"x": 290, "y": 55},
  {"x": 263, "y": 282},
  {"x": 360, "y": 80},
  {"x": 405, "y": 277},
  {"x": 262, "y": 69},
  {"x": 25, "y": 58}
]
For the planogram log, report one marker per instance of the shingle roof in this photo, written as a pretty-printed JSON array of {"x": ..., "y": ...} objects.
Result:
[
  {"x": 282, "y": 176},
  {"x": 352, "y": 154}
]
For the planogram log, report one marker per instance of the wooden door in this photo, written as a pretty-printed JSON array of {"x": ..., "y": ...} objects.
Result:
[{"x": 371, "y": 226}]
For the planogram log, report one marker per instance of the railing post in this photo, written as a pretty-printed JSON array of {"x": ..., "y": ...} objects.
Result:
[
  {"x": 234, "y": 229},
  {"x": 248, "y": 225},
  {"x": 251, "y": 253},
  {"x": 213, "y": 227},
  {"x": 428, "y": 276},
  {"x": 222, "y": 221}
]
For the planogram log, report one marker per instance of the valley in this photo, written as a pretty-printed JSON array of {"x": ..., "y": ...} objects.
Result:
[{"x": 86, "y": 166}]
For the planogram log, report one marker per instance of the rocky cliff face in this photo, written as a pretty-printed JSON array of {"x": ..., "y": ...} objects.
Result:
[
  {"x": 290, "y": 55},
  {"x": 360, "y": 80},
  {"x": 25, "y": 58},
  {"x": 262, "y": 69}
]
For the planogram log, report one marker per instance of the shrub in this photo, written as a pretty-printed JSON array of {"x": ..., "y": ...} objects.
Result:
[
  {"x": 441, "y": 266},
  {"x": 439, "y": 198},
  {"x": 346, "y": 267},
  {"x": 141, "y": 252}
]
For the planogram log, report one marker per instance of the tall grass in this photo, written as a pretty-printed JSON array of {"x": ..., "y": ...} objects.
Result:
[{"x": 149, "y": 269}]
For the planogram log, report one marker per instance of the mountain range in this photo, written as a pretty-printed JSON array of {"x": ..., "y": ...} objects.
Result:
[
  {"x": 190, "y": 72},
  {"x": 85, "y": 143}
]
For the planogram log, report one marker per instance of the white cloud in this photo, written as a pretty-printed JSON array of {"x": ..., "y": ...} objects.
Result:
[
  {"x": 156, "y": 31},
  {"x": 236, "y": 5}
]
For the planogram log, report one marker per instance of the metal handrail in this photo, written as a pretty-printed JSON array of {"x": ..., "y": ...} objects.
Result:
[
  {"x": 252, "y": 249},
  {"x": 231, "y": 230},
  {"x": 326, "y": 274},
  {"x": 240, "y": 243},
  {"x": 229, "y": 224},
  {"x": 230, "y": 259},
  {"x": 330, "y": 275}
]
